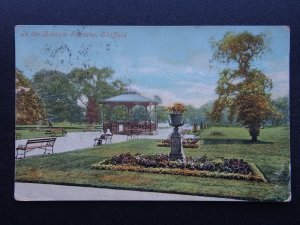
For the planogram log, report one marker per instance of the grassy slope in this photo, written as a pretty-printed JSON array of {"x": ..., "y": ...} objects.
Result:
[{"x": 271, "y": 155}]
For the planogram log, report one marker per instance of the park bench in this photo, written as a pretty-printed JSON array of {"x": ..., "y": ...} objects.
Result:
[
  {"x": 45, "y": 144},
  {"x": 132, "y": 134},
  {"x": 92, "y": 128},
  {"x": 103, "y": 137},
  {"x": 54, "y": 132}
]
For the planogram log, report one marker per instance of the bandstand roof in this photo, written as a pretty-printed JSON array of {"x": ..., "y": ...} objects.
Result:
[{"x": 130, "y": 97}]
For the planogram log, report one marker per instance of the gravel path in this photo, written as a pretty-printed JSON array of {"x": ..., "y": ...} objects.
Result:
[
  {"x": 50, "y": 192},
  {"x": 80, "y": 140}
]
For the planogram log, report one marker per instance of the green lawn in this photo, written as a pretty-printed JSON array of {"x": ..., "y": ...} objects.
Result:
[
  {"x": 271, "y": 155},
  {"x": 33, "y": 131}
]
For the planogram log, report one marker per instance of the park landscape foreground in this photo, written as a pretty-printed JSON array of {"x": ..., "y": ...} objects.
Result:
[{"x": 271, "y": 155}]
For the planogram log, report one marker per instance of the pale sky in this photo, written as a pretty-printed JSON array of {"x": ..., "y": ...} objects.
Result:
[{"x": 172, "y": 62}]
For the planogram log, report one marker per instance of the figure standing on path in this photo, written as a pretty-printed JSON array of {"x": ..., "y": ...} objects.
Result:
[{"x": 50, "y": 123}]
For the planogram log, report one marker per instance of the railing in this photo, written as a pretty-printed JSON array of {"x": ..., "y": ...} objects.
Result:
[{"x": 126, "y": 126}]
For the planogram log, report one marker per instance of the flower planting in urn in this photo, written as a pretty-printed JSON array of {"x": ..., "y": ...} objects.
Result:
[
  {"x": 176, "y": 111},
  {"x": 176, "y": 108}
]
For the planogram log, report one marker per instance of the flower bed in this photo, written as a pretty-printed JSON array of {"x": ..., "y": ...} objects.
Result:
[
  {"x": 216, "y": 133},
  {"x": 203, "y": 166},
  {"x": 187, "y": 143}
]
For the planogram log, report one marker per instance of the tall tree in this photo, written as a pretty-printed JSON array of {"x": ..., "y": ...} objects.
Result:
[
  {"x": 243, "y": 91},
  {"x": 92, "y": 114},
  {"x": 282, "y": 105},
  {"x": 29, "y": 107},
  {"x": 58, "y": 95},
  {"x": 162, "y": 115},
  {"x": 97, "y": 83}
]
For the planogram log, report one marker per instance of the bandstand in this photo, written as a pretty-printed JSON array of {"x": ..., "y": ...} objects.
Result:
[{"x": 130, "y": 99}]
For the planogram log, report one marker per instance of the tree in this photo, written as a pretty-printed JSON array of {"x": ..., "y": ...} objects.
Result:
[
  {"x": 196, "y": 115},
  {"x": 243, "y": 91},
  {"x": 95, "y": 83},
  {"x": 157, "y": 99},
  {"x": 195, "y": 125},
  {"x": 140, "y": 113},
  {"x": 162, "y": 115},
  {"x": 29, "y": 107},
  {"x": 92, "y": 114},
  {"x": 282, "y": 106},
  {"x": 58, "y": 95},
  {"x": 118, "y": 113},
  {"x": 191, "y": 115}
]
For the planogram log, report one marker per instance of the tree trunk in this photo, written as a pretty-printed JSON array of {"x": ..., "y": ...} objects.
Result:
[
  {"x": 254, "y": 130},
  {"x": 254, "y": 138}
]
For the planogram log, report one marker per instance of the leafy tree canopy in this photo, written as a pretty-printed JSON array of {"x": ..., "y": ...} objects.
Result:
[
  {"x": 140, "y": 113},
  {"x": 59, "y": 96},
  {"x": 162, "y": 115},
  {"x": 97, "y": 83},
  {"x": 242, "y": 90},
  {"x": 29, "y": 107},
  {"x": 282, "y": 106}
]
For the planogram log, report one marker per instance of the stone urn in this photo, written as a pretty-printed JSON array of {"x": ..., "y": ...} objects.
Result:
[
  {"x": 176, "y": 120},
  {"x": 176, "y": 142}
]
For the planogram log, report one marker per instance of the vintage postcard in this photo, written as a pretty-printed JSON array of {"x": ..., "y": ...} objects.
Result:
[{"x": 193, "y": 113}]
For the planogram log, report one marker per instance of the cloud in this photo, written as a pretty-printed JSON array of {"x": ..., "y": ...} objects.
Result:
[
  {"x": 188, "y": 69},
  {"x": 196, "y": 87},
  {"x": 195, "y": 64},
  {"x": 196, "y": 96},
  {"x": 280, "y": 89},
  {"x": 281, "y": 64},
  {"x": 198, "y": 93},
  {"x": 280, "y": 76},
  {"x": 34, "y": 63},
  {"x": 146, "y": 70},
  {"x": 280, "y": 83},
  {"x": 174, "y": 82}
]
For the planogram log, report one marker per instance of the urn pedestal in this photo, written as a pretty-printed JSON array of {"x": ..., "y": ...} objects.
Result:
[{"x": 176, "y": 142}]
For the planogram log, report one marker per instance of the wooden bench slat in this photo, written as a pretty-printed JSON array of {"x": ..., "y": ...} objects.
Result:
[
  {"x": 44, "y": 143},
  {"x": 24, "y": 147},
  {"x": 40, "y": 141}
]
